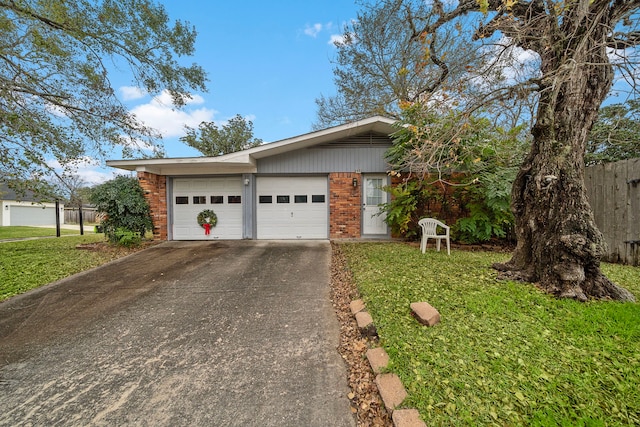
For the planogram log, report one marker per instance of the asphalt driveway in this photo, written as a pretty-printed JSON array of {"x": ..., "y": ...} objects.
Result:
[{"x": 185, "y": 333}]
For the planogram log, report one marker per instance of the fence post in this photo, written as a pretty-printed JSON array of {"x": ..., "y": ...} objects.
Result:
[
  {"x": 57, "y": 218},
  {"x": 80, "y": 218}
]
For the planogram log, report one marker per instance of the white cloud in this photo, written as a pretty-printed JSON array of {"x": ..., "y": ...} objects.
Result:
[
  {"x": 313, "y": 30},
  {"x": 317, "y": 28},
  {"x": 509, "y": 62},
  {"x": 130, "y": 93},
  {"x": 94, "y": 176},
  {"x": 346, "y": 36},
  {"x": 337, "y": 39},
  {"x": 161, "y": 114}
]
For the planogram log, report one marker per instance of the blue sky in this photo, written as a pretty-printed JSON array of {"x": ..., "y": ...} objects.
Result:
[{"x": 267, "y": 61}]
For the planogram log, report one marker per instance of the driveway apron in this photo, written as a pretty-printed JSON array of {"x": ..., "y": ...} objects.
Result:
[{"x": 233, "y": 333}]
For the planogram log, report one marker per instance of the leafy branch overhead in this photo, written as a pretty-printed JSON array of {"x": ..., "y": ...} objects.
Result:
[{"x": 57, "y": 100}]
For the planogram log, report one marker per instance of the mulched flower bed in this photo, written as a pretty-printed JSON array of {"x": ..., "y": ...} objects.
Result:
[{"x": 115, "y": 250}]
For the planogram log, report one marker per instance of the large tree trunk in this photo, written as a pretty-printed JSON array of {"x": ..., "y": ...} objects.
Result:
[{"x": 559, "y": 245}]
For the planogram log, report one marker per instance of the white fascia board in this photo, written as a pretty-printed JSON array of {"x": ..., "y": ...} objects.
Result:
[{"x": 188, "y": 165}]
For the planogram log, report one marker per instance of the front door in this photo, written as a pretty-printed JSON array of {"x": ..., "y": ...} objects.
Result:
[{"x": 372, "y": 197}]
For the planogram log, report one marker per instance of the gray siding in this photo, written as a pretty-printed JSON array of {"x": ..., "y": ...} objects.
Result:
[{"x": 364, "y": 153}]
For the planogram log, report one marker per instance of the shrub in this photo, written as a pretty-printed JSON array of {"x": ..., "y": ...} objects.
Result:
[
  {"x": 126, "y": 211},
  {"x": 488, "y": 204},
  {"x": 127, "y": 238}
]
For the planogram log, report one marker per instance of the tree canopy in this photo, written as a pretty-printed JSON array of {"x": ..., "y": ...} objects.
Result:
[
  {"x": 378, "y": 65},
  {"x": 210, "y": 140},
  {"x": 616, "y": 134},
  {"x": 57, "y": 100}
]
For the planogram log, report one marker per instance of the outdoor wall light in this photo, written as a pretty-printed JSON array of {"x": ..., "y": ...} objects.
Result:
[
  {"x": 246, "y": 181},
  {"x": 355, "y": 182}
]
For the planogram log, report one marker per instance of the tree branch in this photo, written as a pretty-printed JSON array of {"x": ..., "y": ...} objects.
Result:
[{"x": 624, "y": 40}]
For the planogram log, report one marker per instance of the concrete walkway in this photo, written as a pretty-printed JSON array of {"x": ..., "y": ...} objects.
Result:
[{"x": 184, "y": 333}]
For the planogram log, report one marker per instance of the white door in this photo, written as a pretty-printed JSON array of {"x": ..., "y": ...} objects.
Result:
[
  {"x": 372, "y": 197},
  {"x": 292, "y": 208},
  {"x": 193, "y": 195}
]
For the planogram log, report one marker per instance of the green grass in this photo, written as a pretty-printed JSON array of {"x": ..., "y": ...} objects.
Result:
[
  {"x": 20, "y": 232},
  {"x": 28, "y": 264},
  {"x": 504, "y": 353}
]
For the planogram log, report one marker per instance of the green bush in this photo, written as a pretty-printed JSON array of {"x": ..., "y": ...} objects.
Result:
[
  {"x": 127, "y": 238},
  {"x": 410, "y": 201},
  {"x": 460, "y": 169},
  {"x": 127, "y": 212},
  {"x": 487, "y": 202}
]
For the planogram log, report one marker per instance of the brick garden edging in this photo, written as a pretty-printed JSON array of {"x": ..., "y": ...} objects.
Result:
[{"x": 389, "y": 385}]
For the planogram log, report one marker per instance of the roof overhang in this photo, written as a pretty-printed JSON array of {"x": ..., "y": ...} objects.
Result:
[
  {"x": 245, "y": 161},
  {"x": 187, "y": 165}
]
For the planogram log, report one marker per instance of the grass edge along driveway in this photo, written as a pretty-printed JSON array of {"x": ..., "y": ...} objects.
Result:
[
  {"x": 505, "y": 353},
  {"x": 28, "y": 264}
]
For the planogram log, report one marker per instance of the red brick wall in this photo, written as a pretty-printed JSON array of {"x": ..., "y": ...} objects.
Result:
[
  {"x": 155, "y": 192},
  {"x": 345, "y": 205}
]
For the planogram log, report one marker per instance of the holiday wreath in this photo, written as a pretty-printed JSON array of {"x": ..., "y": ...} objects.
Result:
[{"x": 207, "y": 217}]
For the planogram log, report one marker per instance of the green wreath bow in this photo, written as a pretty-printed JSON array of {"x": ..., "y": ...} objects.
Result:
[{"x": 207, "y": 216}]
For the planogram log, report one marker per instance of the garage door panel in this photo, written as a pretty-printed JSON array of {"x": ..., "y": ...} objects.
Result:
[
  {"x": 207, "y": 193},
  {"x": 32, "y": 215},
  {"x": 298, "y": 217}
]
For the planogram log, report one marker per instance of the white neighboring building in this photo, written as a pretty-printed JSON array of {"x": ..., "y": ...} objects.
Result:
[{"x": 26, "y": 210}]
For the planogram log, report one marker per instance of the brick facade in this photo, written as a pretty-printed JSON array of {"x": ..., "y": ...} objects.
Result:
[
  {"x": 345, "y": 205},
  {"x": 155, "y": 192}
]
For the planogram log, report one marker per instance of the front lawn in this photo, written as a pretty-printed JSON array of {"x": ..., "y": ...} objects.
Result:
[
  {"x": 28, "y": 264},
  {"x": 504, "y": 353}
]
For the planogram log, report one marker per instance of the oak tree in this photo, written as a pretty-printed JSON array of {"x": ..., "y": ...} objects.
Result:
[{"x": 575, "y": 45}]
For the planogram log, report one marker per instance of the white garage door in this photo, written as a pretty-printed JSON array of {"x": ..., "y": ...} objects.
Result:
[
  {"x": 193, "y": 195},
  {"x": 32, "y": 215},
  {"x": 292, "y": 208}
]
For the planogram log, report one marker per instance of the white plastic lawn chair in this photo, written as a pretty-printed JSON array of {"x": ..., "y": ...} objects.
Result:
[{"x": 429, "y": 228}]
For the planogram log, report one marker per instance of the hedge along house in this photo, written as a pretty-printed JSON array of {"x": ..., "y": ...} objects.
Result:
[{"x": 320, "y": 185}]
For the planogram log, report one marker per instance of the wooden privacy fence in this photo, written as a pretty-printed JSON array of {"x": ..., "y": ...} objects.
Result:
[
  {"x": 72, "y": 216},
  {"x": 614, "y": 194}
]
